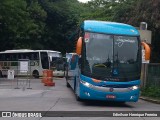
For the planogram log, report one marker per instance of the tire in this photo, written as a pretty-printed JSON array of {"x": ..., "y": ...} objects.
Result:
[
  {"x": 66, "y": 76},
  {"x": 66, "y": 73},
  {"x": 67, "y": 84},
  {"x": 1, "y": 74},
  {"x": 78, "y": 98},
  {"x": 75, "y": 91},
  {"x": 35, "y": 74}
]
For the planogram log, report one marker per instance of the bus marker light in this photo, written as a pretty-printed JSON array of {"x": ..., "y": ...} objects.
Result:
[{"x": 95, "y": 80}]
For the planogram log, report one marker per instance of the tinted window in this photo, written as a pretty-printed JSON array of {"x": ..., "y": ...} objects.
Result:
[
  {"x": 44, "y": 60},
  {"x": 106, "y": 56}
]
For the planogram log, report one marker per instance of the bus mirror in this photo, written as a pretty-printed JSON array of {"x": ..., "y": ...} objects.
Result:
[
  {"x": 147, "y": 50},
  {"x": 79, "y": 46}
]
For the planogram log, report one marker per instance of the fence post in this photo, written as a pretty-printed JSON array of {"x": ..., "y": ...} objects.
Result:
[
  {"x": 146, "y": 77},
  {"x": 17, "y": 85},
  {"x": 29, "y": 81},
  {"x": 143, "y": 75}
]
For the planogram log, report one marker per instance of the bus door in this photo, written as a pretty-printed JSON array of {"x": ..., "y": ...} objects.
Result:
[{"x": 72, "y": 69}]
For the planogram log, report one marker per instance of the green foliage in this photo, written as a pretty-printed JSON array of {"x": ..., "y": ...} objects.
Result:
[
  {"x": 21, "y": 24},
  {"x": 151, "y": 91},
  {"x": 123, "y": 10},
  {"x": 148, "y": 11},
  {"x": 97, "y": 10},
  {"x": 60, "y": 23},
  {"x": 48, "y": 24},
  {"x": 109, "y": 10}
]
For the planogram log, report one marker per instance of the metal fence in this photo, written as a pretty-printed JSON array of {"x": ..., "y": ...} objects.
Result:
[
  {"x": 10, "y": 80},
  {"x": 150, "y": 75},
  {"x": 15, "y": 74}
]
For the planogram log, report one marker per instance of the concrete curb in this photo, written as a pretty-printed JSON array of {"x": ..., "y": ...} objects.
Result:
[{"x": 150, "y": 99}]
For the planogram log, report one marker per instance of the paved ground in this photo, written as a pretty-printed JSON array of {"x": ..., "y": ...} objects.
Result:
[{"x": 60, "y": 98}]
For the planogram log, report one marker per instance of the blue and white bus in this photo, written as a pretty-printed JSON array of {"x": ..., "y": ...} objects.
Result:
[{"x": 107, "y": 62}]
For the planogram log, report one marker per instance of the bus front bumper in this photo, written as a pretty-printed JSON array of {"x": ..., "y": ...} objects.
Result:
[{"x": 88, "y": 91}]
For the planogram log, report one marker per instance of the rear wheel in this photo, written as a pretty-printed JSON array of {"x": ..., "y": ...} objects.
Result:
[
  {"x": 1, "y": 74},
  {"x": 35, "y": 74},
  {"x": 66, "y": 76},
  {"x": 67, "y": 84}
]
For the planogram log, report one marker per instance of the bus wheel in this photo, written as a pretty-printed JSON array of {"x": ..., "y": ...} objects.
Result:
[
  {"x": 35, "y": 74},
  {"x": 67, "y": 84},
  {"x": 78, "y": 98},
  {"x": 1, "y": 74}
]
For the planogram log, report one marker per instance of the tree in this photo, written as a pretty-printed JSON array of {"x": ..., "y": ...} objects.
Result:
[
  {"x": 60, "y": 23},
  {"x": 148, "y": 11},
  {"x": 19, "y": 25}
]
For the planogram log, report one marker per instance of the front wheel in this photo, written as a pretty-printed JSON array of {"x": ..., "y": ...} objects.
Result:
[
  {"x": 1, "y": 74},
  {"x": 35, "y": 74},
  {"x": 76, "y": 94},
  {"x": 78, "y": 98},
  {"x": 67, "y": 84}
]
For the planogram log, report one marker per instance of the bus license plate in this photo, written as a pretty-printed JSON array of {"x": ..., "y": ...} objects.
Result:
[{"x": 111, "y": 96}]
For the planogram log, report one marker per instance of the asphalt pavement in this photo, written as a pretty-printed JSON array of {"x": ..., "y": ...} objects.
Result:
[{"x": 61, "y": 99}]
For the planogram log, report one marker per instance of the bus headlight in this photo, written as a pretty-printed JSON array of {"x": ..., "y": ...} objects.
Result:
[
  {"x": 135, "y": 87},
  {"x": 86, "y": 83}
]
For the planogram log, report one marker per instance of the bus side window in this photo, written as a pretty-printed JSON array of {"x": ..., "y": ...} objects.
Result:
[
  {"x": 3, "y": 57},
  {"x": 20, "y": 56},
  {"x": 7, "y": 57},
  {"x": 32, "y": 56},
  {"x": 0, "y": 57},
  {"x": 11, "y": 57},
  {"x": 36, "y": 56},
  {"x": 44, "y": 60},
  {"x": 27, "y": 56},
  {"x": 16, "y": 56},
  {"x": 74, "y": 60}
]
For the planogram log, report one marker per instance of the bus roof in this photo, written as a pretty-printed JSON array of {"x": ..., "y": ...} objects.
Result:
[
  {"x": 48, "y": 51},
  {"x": 27, "y": 50},
  {"x": 109, "y": 28},
  {"x": 18, "y": 50}
]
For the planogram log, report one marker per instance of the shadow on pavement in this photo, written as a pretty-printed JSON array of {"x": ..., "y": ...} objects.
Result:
[{"x": 105, "y": 103}]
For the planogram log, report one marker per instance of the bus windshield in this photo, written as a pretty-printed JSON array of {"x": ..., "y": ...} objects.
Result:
[
  {"x": 111, "y": 57},
  {"x": 57, "y": 63}
]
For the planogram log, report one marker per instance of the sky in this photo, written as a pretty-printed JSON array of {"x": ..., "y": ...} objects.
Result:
[{"x": 84, "y": 1}]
